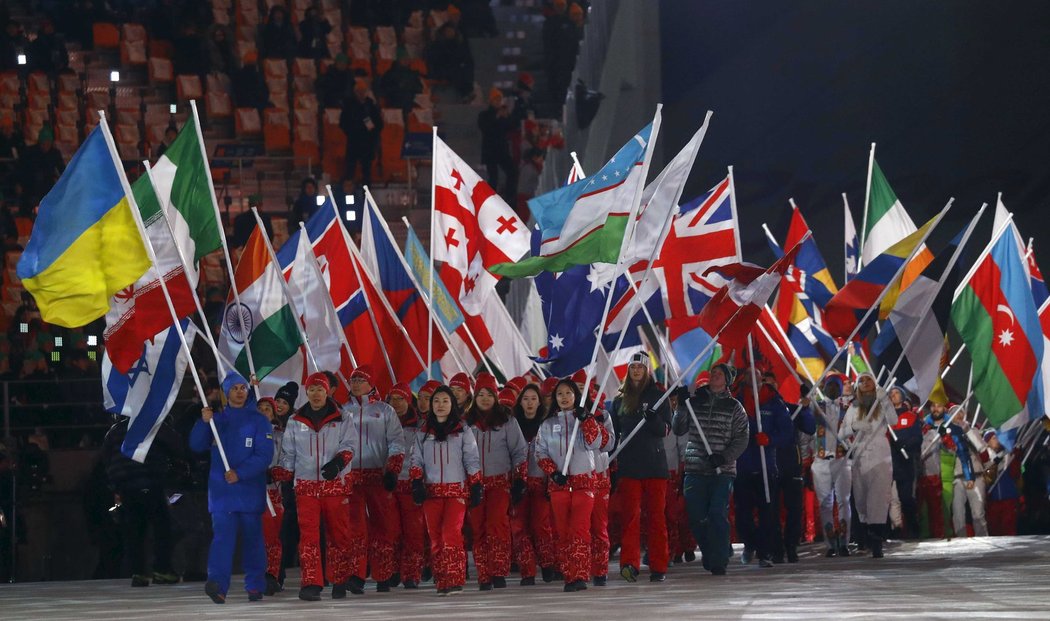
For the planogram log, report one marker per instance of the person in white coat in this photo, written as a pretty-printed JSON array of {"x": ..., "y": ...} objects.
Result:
[
  {"x": 868, "y": 419},
  {"x": 831, "y": 468}
]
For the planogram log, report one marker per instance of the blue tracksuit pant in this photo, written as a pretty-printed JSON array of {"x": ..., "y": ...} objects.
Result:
[{"x": 225, "y": 527}]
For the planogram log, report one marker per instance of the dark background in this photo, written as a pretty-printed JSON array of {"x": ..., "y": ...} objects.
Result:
[{"x": 955, "y": 93}]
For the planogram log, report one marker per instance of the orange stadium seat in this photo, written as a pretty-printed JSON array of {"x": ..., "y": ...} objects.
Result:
[{"x": 105, "y": 35}]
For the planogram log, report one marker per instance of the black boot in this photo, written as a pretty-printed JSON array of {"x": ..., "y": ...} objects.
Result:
[{"x": 875, "y": 534}]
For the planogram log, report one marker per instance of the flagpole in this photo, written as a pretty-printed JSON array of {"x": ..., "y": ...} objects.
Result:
[
  {"x": 940, "y": 283},
  {"x": 867, "y": 200},
  {"x": 882, "y": 295},
  {"x": 736, "y": 220},
  {"x": 370, "y": 200},
  {"x": 987, "y": 249},
  {"x": 186, "y": 268},
  {"x": 520, "y": 337},
  {"x": 577, "y": 166},
  {"x": 430, "y": 283},
  {"x": 137, "y": 216},
  {"x": 758, "y": 414},
  {"x": 845, "y": 242},
  {"x": 624, "y": 243},
  {"x": 328, "y": 295},
  {"x": 225, "y": 246},
  {"x": 287, "y": 292}
]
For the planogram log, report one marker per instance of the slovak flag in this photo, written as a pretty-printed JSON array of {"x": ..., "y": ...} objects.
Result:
[
  {"x": 474, "y": 228},
  {"x": 736, "y": 307}
]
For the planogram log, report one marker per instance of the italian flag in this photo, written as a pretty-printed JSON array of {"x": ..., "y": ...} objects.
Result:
[
  {"x": 886, "y": 224},
  {"x": 179, "y": 182},
  {"x": 995, "y": 314},
  {"x": 272, "y": 334}
]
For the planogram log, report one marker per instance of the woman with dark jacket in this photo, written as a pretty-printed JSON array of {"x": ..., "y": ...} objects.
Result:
[{"x": 642, "y": 469}]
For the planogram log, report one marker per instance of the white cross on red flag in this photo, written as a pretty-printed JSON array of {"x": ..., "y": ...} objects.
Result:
[{"x": 474, "y": 227}]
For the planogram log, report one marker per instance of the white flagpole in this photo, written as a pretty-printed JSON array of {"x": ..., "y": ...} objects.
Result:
[
  {"x": 137, "y": 216},
  {"x": 940, "y": 283},
  {"x": 625, "y": 243},
  {"x": 187, "y": 269},
  {"x": 287, "y": 292},
  {"x": 758, "y": 414},
  {"x": 867, "y": 200},
  {"x": 328, "y": 295},
  {"x": 577, "y": 166},
  {"x": 225, "y": 246},
  {"x": 845, "y": 242},
  {"x": 430, "y": 284}
]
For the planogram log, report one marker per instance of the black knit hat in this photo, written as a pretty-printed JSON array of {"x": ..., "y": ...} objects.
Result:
[
  {"x": 289, "y": 392},
  {"x": 728, "y": 370}
]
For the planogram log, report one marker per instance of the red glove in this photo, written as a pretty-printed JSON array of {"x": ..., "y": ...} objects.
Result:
[{"x": 762, "y": 439}]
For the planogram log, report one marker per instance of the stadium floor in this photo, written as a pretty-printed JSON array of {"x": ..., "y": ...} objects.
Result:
[{"x": 998, "y": 577}]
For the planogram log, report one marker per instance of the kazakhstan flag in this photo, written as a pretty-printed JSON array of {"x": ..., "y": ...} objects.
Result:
[{"x": 85, "y": 245}]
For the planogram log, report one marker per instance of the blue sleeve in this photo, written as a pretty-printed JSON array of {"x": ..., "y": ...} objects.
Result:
[
  {"x": 200, "y": 437},
  {"x": 262, "y": 452},
  {"x": 805, "y": 422},
  {"x": 782, "y": 432},
  {"x": 911, "y": 437}
]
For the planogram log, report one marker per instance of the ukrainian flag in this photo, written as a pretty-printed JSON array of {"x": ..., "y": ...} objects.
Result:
[{"x": 85, "y": 245}]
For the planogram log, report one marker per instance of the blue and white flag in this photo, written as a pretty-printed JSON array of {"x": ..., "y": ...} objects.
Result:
[
  {"x": 852, "y": 243},
  {"x": 146, "y": 393}
]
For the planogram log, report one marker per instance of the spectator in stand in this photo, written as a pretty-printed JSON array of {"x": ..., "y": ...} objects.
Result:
[
  {"x": 244, "y": 223},
  {"x": 401, "y": 83},
  {"x": 333, "y": 86},
  {"x": 306, "y": 203},
  {"x": 218, "y": 50},
  {"x": 449, "y": 59},
  {"x": 249, "y": 86},
  {"x": 496, "y": 123},
  {"x": 562, "y": 32},
  {"x": 189, "y": 57},
  {"x": 361, "y": 121},
  {"x": 170, "y": 134},
  {"x": 11, "y": 143},
  {"x": 277, "y": 39},
  {"x": 313, "y": 33},
  {"x": 12, "y": 43},
  {"x": 41, "y": 165},
  {"x": 528, "y": 181},
  {"x": 47, "y": 52}
]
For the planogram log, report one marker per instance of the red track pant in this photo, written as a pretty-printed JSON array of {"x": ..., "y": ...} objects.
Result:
[
  {"x": 930, "y": 497},
  {"x": 413, "y": 538},
  {"x": 337, "y": 531},
  {"x": 600, "y": 527},
  {"x": 490, "y": 523},
  {"x": 532, "y": 532},
  {"x": 652, "y": 492},
  {"x": 374, "y": 519},
  {"x": 1001, "y": 516},
  {"x": 448, "y": 559},
  {"x": 572, "y": 522},
  {"x": 271, "y": 526}
]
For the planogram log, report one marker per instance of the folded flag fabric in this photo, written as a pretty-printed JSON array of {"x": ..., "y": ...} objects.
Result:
[{"x": 85, "y": 245}]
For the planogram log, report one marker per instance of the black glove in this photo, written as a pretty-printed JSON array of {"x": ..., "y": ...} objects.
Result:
[
  {"x": 517, "y": 491},
  {"x": 942, "y": 430},
  {"x": 475, "y": 494},
  {"x": 717, "y": 460},
  {"x": 681, "y": 393},
  {"x": 419, "y": 491},
  {"x": 389, "y": 480},
  {"x": 559, "y": 478},
  {"x": 650, "y": 414},
  {"x": 582, "y": 414},
  {"x": 331, "y": 470}
]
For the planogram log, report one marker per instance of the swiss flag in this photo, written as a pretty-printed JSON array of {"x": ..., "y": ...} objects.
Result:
[
  {"x": 474, "y": 228},
  {"x": 736, "y": 307}
]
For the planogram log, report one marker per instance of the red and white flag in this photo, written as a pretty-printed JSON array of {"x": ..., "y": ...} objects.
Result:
[
  {"x": 474, "y": 228},
  {"x": 736, "y": 307}
]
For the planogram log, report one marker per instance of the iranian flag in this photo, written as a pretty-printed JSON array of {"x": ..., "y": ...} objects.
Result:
[
  {"x": 272, "y": 334},
  {"x": 886, "y": 223},
  {"x": 139, "y": 311},
  {"x": 995, "y": 314}
]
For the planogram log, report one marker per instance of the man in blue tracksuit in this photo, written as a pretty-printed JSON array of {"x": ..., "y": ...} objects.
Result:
[{"x": 236, "y": 497}]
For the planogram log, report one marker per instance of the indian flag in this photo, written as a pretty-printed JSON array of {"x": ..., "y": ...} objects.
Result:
[
  {"x": 269, "y": 322},
  {"x": 886, "y": 223}
]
